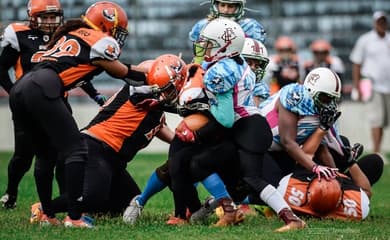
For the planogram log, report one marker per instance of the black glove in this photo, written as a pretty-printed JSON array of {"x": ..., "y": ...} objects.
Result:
[
  {"x": 328, "y": 116},
  {"x": 100, "y": 99},
  {"x": 352, "y": 154}
]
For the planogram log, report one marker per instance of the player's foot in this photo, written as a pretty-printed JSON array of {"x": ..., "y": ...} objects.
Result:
[
  {"x": 36, "y": 213},
  {"x": 292, "y": 221},
  {"x": 8, "y": 201},
  {"x": 48, "y": 221},
  {"x": 83, "y": 222},
  {"x": 176, "y": 221},
  {"x": 231, "y": 214},
  {"x": 133, "y": 211},
  {"x": 205, "y": 211}
]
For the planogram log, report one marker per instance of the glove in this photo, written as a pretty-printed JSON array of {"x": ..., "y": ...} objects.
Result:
[
  {"x": 100, "y": 99},
  {"x": 328, "y": 116},
  {"x": 184, "y": 133},
  {"x": 327, "y": 172},
  {"x": 148, "y": 104},
  {"x": 354, "y": 153}
]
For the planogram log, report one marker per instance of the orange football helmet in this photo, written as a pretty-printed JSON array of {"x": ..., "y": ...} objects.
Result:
[
  {"x": 323, "y": 196},
  {"x": 168, "y": 72},
  {"x": 37, "y": 8},
  {"x": 108, "y": 17}
]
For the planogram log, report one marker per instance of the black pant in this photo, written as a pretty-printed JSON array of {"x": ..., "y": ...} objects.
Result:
[
  {"x": 38, "y": 109},
  {"x": 108, "y": 187}
]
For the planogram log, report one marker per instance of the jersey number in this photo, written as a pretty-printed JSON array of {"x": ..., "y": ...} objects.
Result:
[
  {"x": 296, "y": 197},
  {"x": 62, "y": 48},
  {"x": 350, "y": 208}
]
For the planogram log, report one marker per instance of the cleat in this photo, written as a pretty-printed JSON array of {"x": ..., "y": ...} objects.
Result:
[
  {"x": 292, "y": 221},
  {"x": 83, "y": 222},
  {"x": 265, "y": 211},
  {"x": 176, "y": 221},
  {"x": 48, "y": 221},
  {"x": 231, "y": 214},
  {"x": 8, "y": 201},
  {"x": 36, "y": 213},
  {"x": 133, "y": 211},
  {"x": 205, "y": 211}
]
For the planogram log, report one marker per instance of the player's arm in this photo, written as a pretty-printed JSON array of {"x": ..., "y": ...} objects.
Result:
[
  {"x": 8, "y": 58},
  {"x": 356, "y": 76},
  {"x": 166, "y": 134},
  {"x": 360, "y": 179},
  {"x": 288, "y": 131},
  {"x": 117, "y": 69}
]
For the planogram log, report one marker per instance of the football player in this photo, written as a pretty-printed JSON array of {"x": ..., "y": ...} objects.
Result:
[
  {"x": 22, "y": 44},
  {"x": 79, "y": 50}
]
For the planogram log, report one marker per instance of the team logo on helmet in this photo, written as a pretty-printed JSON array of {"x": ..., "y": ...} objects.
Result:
[
  {"x": 228, "y": 35},
  {"x": 313, "y": 78},
  {"x": 109, "y": 14}
]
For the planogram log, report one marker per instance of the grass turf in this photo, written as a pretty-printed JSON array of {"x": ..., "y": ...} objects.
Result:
[{"x": 14, "y": 223}]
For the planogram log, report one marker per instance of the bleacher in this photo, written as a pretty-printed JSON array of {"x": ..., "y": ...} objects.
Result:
[{"x": 162, "y": 26}]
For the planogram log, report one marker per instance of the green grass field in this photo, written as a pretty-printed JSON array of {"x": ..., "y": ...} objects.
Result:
[{"x": 14, "y": 224}]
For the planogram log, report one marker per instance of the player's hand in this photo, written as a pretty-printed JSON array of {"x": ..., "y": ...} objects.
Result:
[
  {"x": 100, "y": 99},
  {"x": 328, "y": 116},
  {"x": 148, "y": 104},
  {"x": 325, "y": 171},
  {"x": 184, "y": 133},
  {"x": 353, "y": 153}
]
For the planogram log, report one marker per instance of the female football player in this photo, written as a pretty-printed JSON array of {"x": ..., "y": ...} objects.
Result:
[{"x": 79, "y": 50}]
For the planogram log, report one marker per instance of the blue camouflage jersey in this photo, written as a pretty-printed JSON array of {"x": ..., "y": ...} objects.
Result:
[
  {"x": 261, "y": 90},
  {"x": 296, "y": 99},
  {"x": 226, "y": 75},
  {"x": 251, "y": 27}
]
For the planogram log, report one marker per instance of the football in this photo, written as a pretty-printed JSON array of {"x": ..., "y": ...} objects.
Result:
[{"x": 195, "y": 121}]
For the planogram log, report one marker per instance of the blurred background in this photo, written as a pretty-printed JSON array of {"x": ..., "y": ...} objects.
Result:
[{"x": 162, "y": 26}]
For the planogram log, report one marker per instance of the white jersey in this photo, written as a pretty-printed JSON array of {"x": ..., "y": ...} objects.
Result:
[{"x": 373, "y": 54}]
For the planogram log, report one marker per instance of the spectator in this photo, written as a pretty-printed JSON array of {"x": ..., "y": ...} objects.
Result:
[
  {"x": 284, "y": 66},
  {"x": 371, "y": 59},
  {"x": 322, "y": 58}
]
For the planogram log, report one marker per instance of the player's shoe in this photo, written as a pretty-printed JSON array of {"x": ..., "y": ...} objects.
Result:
[
  {"x": 176, "y": 221},
  {"x": 231, "y": 214},
  {"x": 292, "y": 221},
  {"x": 205, "y": 211},
  {"x": 8, "y": 201},
  {"x": 36, "y": 213},
  {"x": 48, "y": 221},
  {"x": 133, "y": 211},
  {"x": 83, "y": 222}
]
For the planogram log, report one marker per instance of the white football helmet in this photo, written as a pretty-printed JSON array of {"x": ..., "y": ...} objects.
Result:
[
  {"x": 254, "y": 49},
  {"x": 235, "y": 16},
  {"x": 324, "y": 86},
  {"x": 223, "y": 37}
]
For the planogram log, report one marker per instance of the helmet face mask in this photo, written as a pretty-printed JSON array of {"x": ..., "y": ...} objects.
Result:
[
  {"x": 45, "y": 15},
  {"x": 256, "y": 55},
  {"x": 108, "y": 17},
  {"x": 238, "y": 13},
  {"x": 220, "y": 38},
  {"x": 168, "y": 72},
  {"x": 324, "y": 86}
]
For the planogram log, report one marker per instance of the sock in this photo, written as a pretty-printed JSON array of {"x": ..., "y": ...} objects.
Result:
[
  {"x": 273, "y": 198},
  {"x": 153, "y": 186},
  {"x": 215, "y": 186}
]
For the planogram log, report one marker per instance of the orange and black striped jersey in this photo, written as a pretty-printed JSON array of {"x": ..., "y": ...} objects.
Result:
[
  {"x": 73, "y": 53},
  {"x": 26, "y": 42},
  {"x": 355, "y": 203},
  {"x": 125, "y": 127}
]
